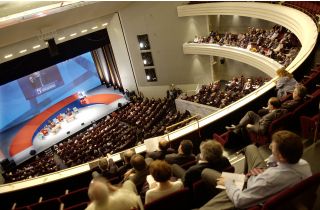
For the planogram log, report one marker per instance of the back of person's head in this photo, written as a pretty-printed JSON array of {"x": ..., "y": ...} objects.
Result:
[
  {"x": 163, "y": 144},
  {"x": 137, "y": 162},
  {"x": 98, "y": 191},
  {"x": 275, "y": 102},
  {"x": 301, "y": 91},
  {"x": 210, "y": 150},
  {"x": 127, "y": 155},
  {"x": 289, "y": 145},
  {"x": 103, "y": 164},
  {"x": 160, "y": 170},
  {"x": 186, "y": 147},
  {"x": 283, "y": 73}
]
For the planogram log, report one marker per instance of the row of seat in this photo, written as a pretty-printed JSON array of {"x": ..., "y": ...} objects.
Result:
[
  {"x": 302, "y": 195},
  {"x": 293, "y": 120}
]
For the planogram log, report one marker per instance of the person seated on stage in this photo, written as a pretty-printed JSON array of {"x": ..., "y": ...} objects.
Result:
[
  {"x": 284, "y": 169},
  {"x": 252, "y": 122},
  {"x": 104, "y": 195},
  {"x": 161, "y": 173},
  {"x": 60, "y": 117},
  {"x": 210, "y": 157},
  {"x": 51, "y": 124},
  {"x": 68, "y": 112},
  {"x": 163, "y": 150},
  {"x": 184, "y": 154}
]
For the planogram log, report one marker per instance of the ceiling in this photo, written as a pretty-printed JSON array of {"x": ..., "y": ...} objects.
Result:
[
  {"x": 12, "y": 7},
  {"x": 22, "y": 22}
]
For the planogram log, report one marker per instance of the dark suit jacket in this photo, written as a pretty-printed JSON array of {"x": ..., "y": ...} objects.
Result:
[
  {"x": 267, "y": 119},
  {"x": 160, "y": 154},
  {"x": 194, "y": 172},
  {"x": 179, "y": 158},
  {"x": 290, "y": 105}
]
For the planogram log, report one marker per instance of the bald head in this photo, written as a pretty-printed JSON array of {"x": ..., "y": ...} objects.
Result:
[{"x": 98, "y": 191}]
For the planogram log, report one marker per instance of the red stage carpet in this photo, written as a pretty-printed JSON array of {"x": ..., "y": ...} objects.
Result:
[{"x": 23, "y": 138}]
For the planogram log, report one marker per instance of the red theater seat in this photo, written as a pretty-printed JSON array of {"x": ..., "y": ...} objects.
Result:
[{"x": 301, "y": 196}]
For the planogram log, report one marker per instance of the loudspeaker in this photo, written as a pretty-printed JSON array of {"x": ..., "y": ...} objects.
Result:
[
  {"x": 53, "y": 48},
  {"x": 32, "y": 152}
]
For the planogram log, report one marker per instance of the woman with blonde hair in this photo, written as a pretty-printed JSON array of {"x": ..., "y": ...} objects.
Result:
[{"x": 285, "y": 84}]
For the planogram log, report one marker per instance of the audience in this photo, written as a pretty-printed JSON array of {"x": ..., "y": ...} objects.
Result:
[
  {"x": 161, "y": 173},
  {"x": 106, "y": 168},
  {"x": 121, "y": 130},
  {"x": 184, "y": 154},
  {"x": 252, "y": 122},
  {"x": 218, "y": 96},
  {"x": 160, "y": 154},
  {"x": 139, "y": 171},
  {"x": 104, "y": 196},
  {"x": 298, "y": 97},
  {"x": 210, "y": 157},
  {"x": 284, "y": 169},
  {"x": 277, "y": 43},
  {"x": 285, "y": 84}
]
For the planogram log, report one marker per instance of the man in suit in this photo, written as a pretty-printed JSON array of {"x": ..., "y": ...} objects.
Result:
[
  {"x": 284, "y": 169},
  {"x": 163, "y": 150},
  {"x": 210, "y": 157},
  {"x": 298, "y": 95},
  {"x": 184, "y": 154},
  {"x": 139, "y": 171},
  {"x": 252, "y": 122}
]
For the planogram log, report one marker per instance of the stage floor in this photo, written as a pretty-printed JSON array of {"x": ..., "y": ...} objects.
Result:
[{"x": 85, "y": 116}]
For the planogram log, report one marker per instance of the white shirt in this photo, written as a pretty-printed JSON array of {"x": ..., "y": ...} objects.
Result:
[{"x": 156, "y": 193}]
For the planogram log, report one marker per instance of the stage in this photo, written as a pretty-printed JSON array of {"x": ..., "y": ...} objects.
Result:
[{"x": 99, "y": 102}]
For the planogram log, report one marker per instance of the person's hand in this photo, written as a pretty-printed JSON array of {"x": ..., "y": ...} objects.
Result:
[
  {"x": 220, "y": 181},
  {"x": 127, "y": 174},
  {"x": 249, "y": 126}
]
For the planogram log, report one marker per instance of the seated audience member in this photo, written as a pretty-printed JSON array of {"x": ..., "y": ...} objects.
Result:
[
  {"x": 104, "y": 196},
  {"x": 163, "y": 150},
  {"x": 210, "y": 157},
  {"x": 106, "y": 168},
  {"x": 252, "y": 122},
  {"x": 126, "y": 159},
  {"x": 284, "y": 169},
  {"x": 161, "y": 173},
  {"x": 139, "y": 171},
  {"x": 285, "y": 84},
  {"x": 298, "y": 95},
  {"x": 184, "y": 154}
]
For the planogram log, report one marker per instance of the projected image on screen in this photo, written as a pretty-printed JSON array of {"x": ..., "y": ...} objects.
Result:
[
  {"x": 40, "y": 82},
  {"x": 22, "y": 99}
]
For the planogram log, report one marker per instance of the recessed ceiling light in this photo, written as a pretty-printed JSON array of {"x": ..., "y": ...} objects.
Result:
[
  {"x": 94, "y": 27},
  {"x": 36, "y": 46},
  {"x": 61, "y": 38},
  {"x": 8, "y": 56},
  {"x": 84, "y": 31},
  {"x": 73, "y": 34},
  {"x": 23, "y": 51},
  {"x": 104, "y": 24}
]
